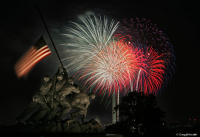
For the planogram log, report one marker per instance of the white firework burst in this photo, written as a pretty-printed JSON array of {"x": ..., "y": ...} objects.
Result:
[{"x": 85, "y": 38}]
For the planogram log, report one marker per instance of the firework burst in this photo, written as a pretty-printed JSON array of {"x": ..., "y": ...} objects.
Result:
[
  {"x": 113, "y": 68},
  {"x": 85, "y": 38},
  {"x": 106, "y": 57},
  {"x": 150, "y": 76},
  {"x": 143, "y": 34}
]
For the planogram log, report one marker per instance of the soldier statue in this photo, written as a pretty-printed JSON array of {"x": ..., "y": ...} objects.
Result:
[
  {"x": 39, "y": 104},
  {"x": 80, "y": 103},
  {"x": 57, "y": 100}
]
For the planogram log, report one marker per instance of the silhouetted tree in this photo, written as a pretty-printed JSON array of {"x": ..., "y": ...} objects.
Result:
[{"x": 139, "y": 114}]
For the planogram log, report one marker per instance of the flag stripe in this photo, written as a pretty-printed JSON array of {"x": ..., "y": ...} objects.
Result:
[
  {"x": 25, "y": 57},
  {"x": 29, "y": 55},
  {"x": 30, "y": 62},
  {"x": 31, "y": 58},
  {"x": 27, "y": 69}
]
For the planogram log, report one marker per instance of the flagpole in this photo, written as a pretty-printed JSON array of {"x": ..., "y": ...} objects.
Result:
[{"x": 47, "y": 30}]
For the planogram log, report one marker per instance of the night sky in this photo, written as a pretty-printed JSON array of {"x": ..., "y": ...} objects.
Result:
[{"x": 20, "y": 27}]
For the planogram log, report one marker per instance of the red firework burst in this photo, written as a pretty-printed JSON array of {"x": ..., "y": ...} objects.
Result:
[
  {"x": 159, "y": 65},
  {"x": 150, "y": 76}
]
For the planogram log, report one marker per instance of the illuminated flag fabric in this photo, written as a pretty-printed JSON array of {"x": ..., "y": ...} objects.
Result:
[{"x": 36, "y": 53}]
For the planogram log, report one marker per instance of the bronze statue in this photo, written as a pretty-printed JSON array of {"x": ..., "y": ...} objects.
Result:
[{"x": 58, "y": 99}]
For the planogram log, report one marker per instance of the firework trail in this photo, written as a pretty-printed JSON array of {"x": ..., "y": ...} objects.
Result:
[{"x": 85, "y": 38}]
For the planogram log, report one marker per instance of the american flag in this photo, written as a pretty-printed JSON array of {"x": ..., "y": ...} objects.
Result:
[{"x": 35, "y": 54}]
